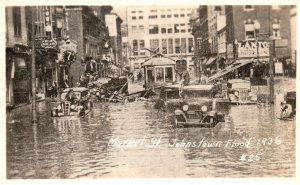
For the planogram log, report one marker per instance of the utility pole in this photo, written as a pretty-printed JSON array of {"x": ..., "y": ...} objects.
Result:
[
  {"x": 33, "y": 76},
  {"x": 271, "y": 69}
]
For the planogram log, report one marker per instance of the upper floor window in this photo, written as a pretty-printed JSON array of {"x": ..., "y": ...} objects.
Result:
[
  {"x": 276, "y": 29},
  {"x": 141, "y": 17},
  {"x": 175, "y": 15},
  {"x": 169, "y": 16},
  {"x": 133, "y": 17},
  {"x": 248, "y": 7},
  {"x": 153, "y": 29},
  {"x": 140, "y": 11},
  {"x": 163, "y": 16},
  {"x": 133, "y": 11},
  {"x": 153, "y": 11},
  {"x": 182, "y": 15},
  {"x": 17, "y": 21},
  {"x": 152, "y": 16}
]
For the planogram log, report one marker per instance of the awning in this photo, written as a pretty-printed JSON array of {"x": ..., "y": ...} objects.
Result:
[
  {"x": 210, "y": 60},
  {"x": 159, "y": 61}
]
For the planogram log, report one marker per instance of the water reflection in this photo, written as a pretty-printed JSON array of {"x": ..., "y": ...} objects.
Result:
[{"x": 77, "y": 147}]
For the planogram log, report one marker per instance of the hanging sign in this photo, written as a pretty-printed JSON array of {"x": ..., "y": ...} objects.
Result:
[{"x": 48, "y": 43}]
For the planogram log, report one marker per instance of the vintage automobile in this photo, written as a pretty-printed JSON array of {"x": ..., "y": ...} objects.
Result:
[
  {"x": 288, "y": 110},
  {"x": 239, "y": 92},
  {"x": 74, "y": 102},
  {"x": 191, "y": 105}
]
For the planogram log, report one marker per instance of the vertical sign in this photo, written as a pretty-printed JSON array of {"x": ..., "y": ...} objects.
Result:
[{"x": 48, "y": 23}]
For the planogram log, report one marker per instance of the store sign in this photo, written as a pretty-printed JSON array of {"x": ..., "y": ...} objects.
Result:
[
  {"x": 48, "y": 43},
  {"x": 252, "y": 49}
]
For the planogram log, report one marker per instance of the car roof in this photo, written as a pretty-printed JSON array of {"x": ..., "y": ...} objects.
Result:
[
  {"x": 76, "y": 89},
  {"x": 238, "y": 81}
]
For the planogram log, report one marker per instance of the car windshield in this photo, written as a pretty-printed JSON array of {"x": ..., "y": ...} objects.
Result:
[
  {"x": 197, "y": 94},
  {"x": 76, "y": 94}
]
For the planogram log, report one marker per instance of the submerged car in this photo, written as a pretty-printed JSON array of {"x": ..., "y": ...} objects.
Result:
[
  {"x": 74, "y": 102},
  {"x": 192, "y": 105},
  {"x": 288, "y": 106},
  {"x": 239, "y": 92}
]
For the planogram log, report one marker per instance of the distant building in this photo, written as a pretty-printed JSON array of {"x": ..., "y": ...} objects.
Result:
[
  {"x": 293, "y": 14},
  {"x": 113, "y": 22},
  {"x": 163, "y": 29}
]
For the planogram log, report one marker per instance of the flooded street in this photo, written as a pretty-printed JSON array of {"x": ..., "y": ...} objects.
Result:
[{"x": 88, "y": 147}]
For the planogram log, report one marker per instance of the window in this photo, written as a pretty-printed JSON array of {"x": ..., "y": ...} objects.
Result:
[
  {"x": 159, "y": 74},
  {"x": 141, "y": 17},
  {"x": 188, "y": 15},
  {"x": 153, "y": 11},
  {"x": 182, "y": 15},
  {"x": 169, "y": 15},
  {"x": 154, "y": 44},
  {"x": 164, "y": 46},
  {"x": 140, "y": 11},
  {"x": 142, "y": 46},
  {"x": 152, "y": 16},
  {"x": 182, "y": 28},
  {"x": 17, "y": 21},
  {"x": 134, "y": 28},
  {"x": 153, "y": 29},
  {"x": 168, "y": 10},
  {"x": 248, "y": 8},
  {"x": 170, "y": 30},
  {"x": 175, "y": 15},
  {"x": 183, "y": 45},
  {"x": 190, "y": 45},
  {"x": 163, "y": 30},
  {"x": 163, "y": 16},
  {"x": 133, "y": 11},
  {"x": 177, "y": 45},
  {"x": 133, "y": 17},
  {"x": 170, "y": 46},
  {"x": 169, "y": 74},
  {"x": 276, "y": 30},
  {"x": 141, "y": 27},
  {"x": 176, "y": 30},
  {"x": 249, "y": 31},
  {"x": 135, "y": 47}
]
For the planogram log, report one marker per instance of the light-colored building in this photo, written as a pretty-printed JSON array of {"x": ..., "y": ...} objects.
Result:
[
  {"x": 293, "y": 13},
  {"x": 164, "y": 29}
]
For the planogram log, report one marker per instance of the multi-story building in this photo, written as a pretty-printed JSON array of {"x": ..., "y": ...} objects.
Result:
[
  {"x": 87, "y": 27},
  {"x": 241, "y": 32},
  {"x": 162, "y": 29},
  {"x": 113, "y": 22},
  {"x": 17, "y": 57},
  {"x": 259, "y": 33}
]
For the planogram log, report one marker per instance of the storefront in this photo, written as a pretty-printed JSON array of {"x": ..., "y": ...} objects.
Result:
[{"x": 159, "y": 71}]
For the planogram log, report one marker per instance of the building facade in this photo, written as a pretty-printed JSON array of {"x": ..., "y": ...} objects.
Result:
[
  {"x": 17, "y": 57},
  {"x": 87, "y": 27},
  {"x": 160, "y": 29},
  {"x": 226, "y": 34}
]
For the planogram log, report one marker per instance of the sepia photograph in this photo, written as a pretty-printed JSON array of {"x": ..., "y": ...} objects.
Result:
[{"x": 150, "y": 91}]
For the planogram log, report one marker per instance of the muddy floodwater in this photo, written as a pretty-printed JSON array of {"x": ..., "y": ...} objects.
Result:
[{"x": 134, "y": 140}]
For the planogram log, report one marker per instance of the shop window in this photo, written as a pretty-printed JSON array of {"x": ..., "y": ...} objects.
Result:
[
  {"x": 169, "y": 74},
  {"x": 159, "y": 74}
]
